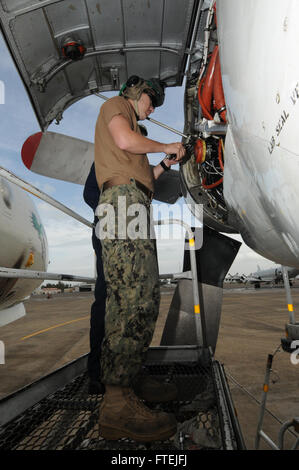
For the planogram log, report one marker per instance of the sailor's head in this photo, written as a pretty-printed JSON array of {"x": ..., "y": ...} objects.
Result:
[{"x": 145, "y": 95}]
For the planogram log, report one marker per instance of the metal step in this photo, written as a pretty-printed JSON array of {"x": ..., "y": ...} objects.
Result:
[{"x": 68, "y": 418}]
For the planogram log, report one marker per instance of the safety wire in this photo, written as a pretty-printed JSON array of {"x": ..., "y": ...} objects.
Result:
[
  {"x": 214, "y": 171},
  {"x": 211, "y": 165}
]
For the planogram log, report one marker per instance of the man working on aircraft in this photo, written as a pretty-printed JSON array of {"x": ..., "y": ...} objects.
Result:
[
  {"x": 130, "y": 265},
  {"x": 91, "y": 196}
]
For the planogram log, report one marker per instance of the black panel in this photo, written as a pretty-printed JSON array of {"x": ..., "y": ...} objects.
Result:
[
  {"x": 215, "y": 257},
  {"x": 167, "y": 187}
]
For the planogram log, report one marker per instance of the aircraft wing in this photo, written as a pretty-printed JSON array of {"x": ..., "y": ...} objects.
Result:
[
  {"x": 69, "y": 159},
  {"x": 254, "y": 279},
  {"x": 66, "y": 50},
  {"x": 11, "y": 314}
]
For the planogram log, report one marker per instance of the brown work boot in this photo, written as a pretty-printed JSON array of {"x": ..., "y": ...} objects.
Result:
[
  {"x": 153, "y": 391},
  {"x": 122, "y": 414}
]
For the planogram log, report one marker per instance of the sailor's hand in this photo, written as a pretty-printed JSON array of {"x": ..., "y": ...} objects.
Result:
[{"x": 175, "y": 152}]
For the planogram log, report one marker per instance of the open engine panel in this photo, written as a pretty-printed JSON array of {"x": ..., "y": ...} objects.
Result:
[{"x": 206, "y": 124}]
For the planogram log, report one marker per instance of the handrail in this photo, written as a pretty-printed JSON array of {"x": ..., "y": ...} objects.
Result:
[
  {"x": 41, "y": 195},
  {"x": 286, "y": 282},
  {"x": 42, "y": 275}
]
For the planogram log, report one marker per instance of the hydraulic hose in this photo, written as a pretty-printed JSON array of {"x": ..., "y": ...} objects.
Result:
[
  {"x": 213, "y": 185},
  {"x": 205, "y": 93},
  {"x": 220, "y": 146},
  {"x": 218, "y": 91}
]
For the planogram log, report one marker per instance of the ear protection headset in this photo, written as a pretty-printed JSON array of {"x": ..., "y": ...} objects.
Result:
[{"x": 135, "y": 86}]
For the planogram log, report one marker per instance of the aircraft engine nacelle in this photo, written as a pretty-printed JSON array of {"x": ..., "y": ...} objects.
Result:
[{"x": 241, "y": 116}]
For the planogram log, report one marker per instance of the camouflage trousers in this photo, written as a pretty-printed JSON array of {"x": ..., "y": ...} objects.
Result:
[{"x": 133, "y": 293}]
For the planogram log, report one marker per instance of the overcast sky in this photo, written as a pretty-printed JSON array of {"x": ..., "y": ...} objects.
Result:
[{"x": 70, "y": 249}]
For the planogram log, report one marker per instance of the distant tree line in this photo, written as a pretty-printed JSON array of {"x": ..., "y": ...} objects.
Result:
[{"x": 59, "y": 285}]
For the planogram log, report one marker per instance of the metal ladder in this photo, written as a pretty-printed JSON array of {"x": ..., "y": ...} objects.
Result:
[
  {"x": 292, "y": 336},
  {"x": 291, "y": 340}
]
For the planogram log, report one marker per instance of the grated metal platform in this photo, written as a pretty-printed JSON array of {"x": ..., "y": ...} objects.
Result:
[{"x": 68, "y": 418}]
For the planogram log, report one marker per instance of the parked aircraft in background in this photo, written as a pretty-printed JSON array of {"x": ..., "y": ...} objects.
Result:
[
  {"x": 271, "y": 275},
  {"x": 236, "y": 278},
  {"x": 263, "y": 276}
]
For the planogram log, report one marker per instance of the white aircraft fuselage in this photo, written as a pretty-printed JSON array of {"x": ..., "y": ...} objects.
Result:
[
  {"x": 23, "y": 244},
  {"x": 260, "y": 73}
]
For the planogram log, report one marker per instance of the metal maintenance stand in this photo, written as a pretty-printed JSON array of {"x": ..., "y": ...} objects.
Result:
[
  {"x": 293, "y": 423},
  {"x": 289, "y": 344},
  {"x": 57, "y": 412},
  {"x": 291, "y": 341}
]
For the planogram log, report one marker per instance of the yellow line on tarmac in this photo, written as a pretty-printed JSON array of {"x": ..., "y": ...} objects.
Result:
[{"x": 55, "y": 326}]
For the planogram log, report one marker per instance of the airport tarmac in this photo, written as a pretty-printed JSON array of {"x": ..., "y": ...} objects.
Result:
[{"x": 55, "y": 331}]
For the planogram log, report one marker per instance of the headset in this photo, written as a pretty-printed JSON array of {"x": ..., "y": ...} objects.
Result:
[{"x": 135, "y": 86}]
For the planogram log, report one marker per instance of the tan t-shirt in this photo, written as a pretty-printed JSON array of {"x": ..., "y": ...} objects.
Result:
[{"x": 111, "y": 161}]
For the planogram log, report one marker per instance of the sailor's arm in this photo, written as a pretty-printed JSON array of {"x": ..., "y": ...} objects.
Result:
[{"x": 133, "y": 142}]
